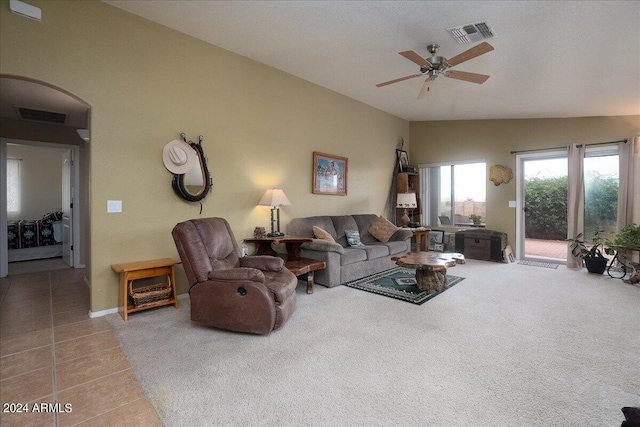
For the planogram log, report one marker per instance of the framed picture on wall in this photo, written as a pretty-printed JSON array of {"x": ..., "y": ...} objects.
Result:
[
  {"x": 329, "y": 174},
  {"x": 436, "y": 237}
]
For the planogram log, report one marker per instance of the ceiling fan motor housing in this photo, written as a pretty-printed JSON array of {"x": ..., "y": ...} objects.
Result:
[{"x": 438, "y": 62}]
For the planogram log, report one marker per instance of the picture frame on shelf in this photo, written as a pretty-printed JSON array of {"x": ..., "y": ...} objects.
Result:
[
  {"x": 436, "y": 237},
  {"x": 329, "y": 174},
  {"x": 403, "y": 162}
]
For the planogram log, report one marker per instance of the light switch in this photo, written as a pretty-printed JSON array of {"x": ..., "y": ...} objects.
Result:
[
  {"x": 512, "y": 203},
  {"x": 114, "y": 206}
]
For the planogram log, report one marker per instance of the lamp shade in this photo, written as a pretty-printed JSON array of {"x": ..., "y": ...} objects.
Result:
[
  {"x": 407, "y": 200},
  {"x": 274, "y": 197}
]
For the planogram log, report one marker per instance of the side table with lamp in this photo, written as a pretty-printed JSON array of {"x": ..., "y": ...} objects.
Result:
[{"x": 294, "y": 262}]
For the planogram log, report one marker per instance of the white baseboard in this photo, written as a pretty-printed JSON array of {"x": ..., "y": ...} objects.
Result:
[{"x": 94, "y": 314}]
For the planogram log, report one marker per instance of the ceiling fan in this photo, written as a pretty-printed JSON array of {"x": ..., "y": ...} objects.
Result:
[{"x": 437, "y": 65}]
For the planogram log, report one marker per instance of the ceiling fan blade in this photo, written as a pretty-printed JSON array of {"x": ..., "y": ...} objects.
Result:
[
  {"x": 468, "y": 77},
  {"x": 398, "y": 80},
  {"x": 414, "y": 57},
  {"x": 426, "y": 88},
  {"x": 478, "y": 50}
]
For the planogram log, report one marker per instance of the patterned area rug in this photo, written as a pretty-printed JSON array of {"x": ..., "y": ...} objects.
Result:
[
  {"x": 399, "y": 283},
  {"x": 539, "y": 264}
]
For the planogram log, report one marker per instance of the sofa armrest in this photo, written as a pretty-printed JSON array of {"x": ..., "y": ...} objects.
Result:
[
  {"x": 322, "y": 246},
  {"x": 237, "y": 274},
  {"x": 262, "y": 262},
  {"x": 401, "y": 235}
]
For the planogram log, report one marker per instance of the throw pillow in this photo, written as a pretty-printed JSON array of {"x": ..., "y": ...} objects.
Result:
[
  {"x": 353, "y": 238},
  {"x": 382, "y": 229},
  {"x": 322, "y": 234}
]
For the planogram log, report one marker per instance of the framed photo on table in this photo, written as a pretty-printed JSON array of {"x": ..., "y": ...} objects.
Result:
[
  {"x": 436, "y": 240},
  {"x": 329, "y": 174}
]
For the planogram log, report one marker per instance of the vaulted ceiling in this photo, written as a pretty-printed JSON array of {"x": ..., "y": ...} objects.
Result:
[{"x": 551, "y": 59}]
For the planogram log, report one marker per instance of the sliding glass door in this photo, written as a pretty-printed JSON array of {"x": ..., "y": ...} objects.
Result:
[
  {"x": 543, "y": 206},
  {"x": 541, "y": 222}
]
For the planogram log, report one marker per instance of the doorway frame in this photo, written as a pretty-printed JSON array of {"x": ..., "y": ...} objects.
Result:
[
  {"x": 520, "y": 223},
  {"x": 75, "y": 194}
]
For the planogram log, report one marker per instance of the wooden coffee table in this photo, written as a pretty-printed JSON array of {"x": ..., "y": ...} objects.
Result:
[{"x": 431, "y": 267}]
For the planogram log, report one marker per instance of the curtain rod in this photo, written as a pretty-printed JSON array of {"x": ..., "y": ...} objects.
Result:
[{"x": 557, "y": 148}]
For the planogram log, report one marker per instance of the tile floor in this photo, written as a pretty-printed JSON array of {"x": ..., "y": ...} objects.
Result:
[{"x": 52, "y": 352}]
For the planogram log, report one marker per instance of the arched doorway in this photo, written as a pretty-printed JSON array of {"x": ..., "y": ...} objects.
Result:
[{"x": 35, "y": 114}]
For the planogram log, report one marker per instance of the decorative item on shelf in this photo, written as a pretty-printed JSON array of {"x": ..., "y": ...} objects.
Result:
[
  {"x": 403, "y": 162},
  {"x": 259, "y": 232},
  {"x": 329, "y": 174},
  {"x": 406, "y": 201},
  {"x": 499, "y": 174},
  {"x": 275, "y": 198},
  {"x": 475, "y": 219},
  {"x": 186, "y": 160}
]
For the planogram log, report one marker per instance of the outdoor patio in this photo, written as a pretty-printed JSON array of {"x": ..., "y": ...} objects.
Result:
[{"x": 546, "y": 248}]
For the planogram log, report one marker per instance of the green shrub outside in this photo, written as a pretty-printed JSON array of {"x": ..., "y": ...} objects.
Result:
[{"x": 546, "y": 202}]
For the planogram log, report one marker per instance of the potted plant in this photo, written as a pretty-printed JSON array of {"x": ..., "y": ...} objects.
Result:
[
  {"x": 593, "y": 257},
  {"x": 627, "y": 238},
  {"x": 476, "y": 219}
]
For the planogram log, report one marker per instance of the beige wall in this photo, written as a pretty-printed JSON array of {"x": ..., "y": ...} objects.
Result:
[
  {"x": 492, "y": 140},
  {"x": 145, "y": 84},
  {"x": 41, "y": 171}
]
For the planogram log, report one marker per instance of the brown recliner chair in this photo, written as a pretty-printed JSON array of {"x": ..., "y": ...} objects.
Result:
[{"x": 254, "y": 294}]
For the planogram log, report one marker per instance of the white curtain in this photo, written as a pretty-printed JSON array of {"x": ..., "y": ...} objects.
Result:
[
  {"x": 628, "y": 199},
  {"x": 575, "y": 202}
]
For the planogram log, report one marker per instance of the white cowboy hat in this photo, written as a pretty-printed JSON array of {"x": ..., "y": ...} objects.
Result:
[{"x": 179, "y": 157}]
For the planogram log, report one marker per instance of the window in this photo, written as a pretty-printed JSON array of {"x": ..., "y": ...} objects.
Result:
[
  {"x": 13, "y": 185},
  {"x": 601, "y": 178},
  {"x": 454, "y": 190}
]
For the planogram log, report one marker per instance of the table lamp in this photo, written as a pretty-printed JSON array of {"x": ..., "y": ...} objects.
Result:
[
  {"x": 275, "y": 198},
  {"x": 406, "y": 201}
]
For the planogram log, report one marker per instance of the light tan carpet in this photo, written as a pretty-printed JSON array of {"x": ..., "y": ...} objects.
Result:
[{"x": 511, "y": 345}]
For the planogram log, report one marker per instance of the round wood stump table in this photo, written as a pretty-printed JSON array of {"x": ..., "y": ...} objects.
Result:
[{"x": 431, "y": 268}]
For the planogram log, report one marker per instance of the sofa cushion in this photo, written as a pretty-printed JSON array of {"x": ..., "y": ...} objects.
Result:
[
  {"x": 397, "y": 247},
  {"x": 304, "y": 226},
  {"x": 322, "y": 234},
  {"x": 353, "y": 238},
  {"x": 352, "y": 255},
  {"x": 364, "y": 222},
  {"x": 340, "y": 225},
  {"x": 376, "y": 251},
  {"x": 382, "y": 229}
]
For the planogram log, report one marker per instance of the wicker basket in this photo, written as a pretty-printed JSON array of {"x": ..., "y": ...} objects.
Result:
[{"x": 147, "y": 295}]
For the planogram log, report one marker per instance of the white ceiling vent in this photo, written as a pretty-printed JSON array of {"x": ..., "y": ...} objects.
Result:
[{"x": 472, "y": 32}]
